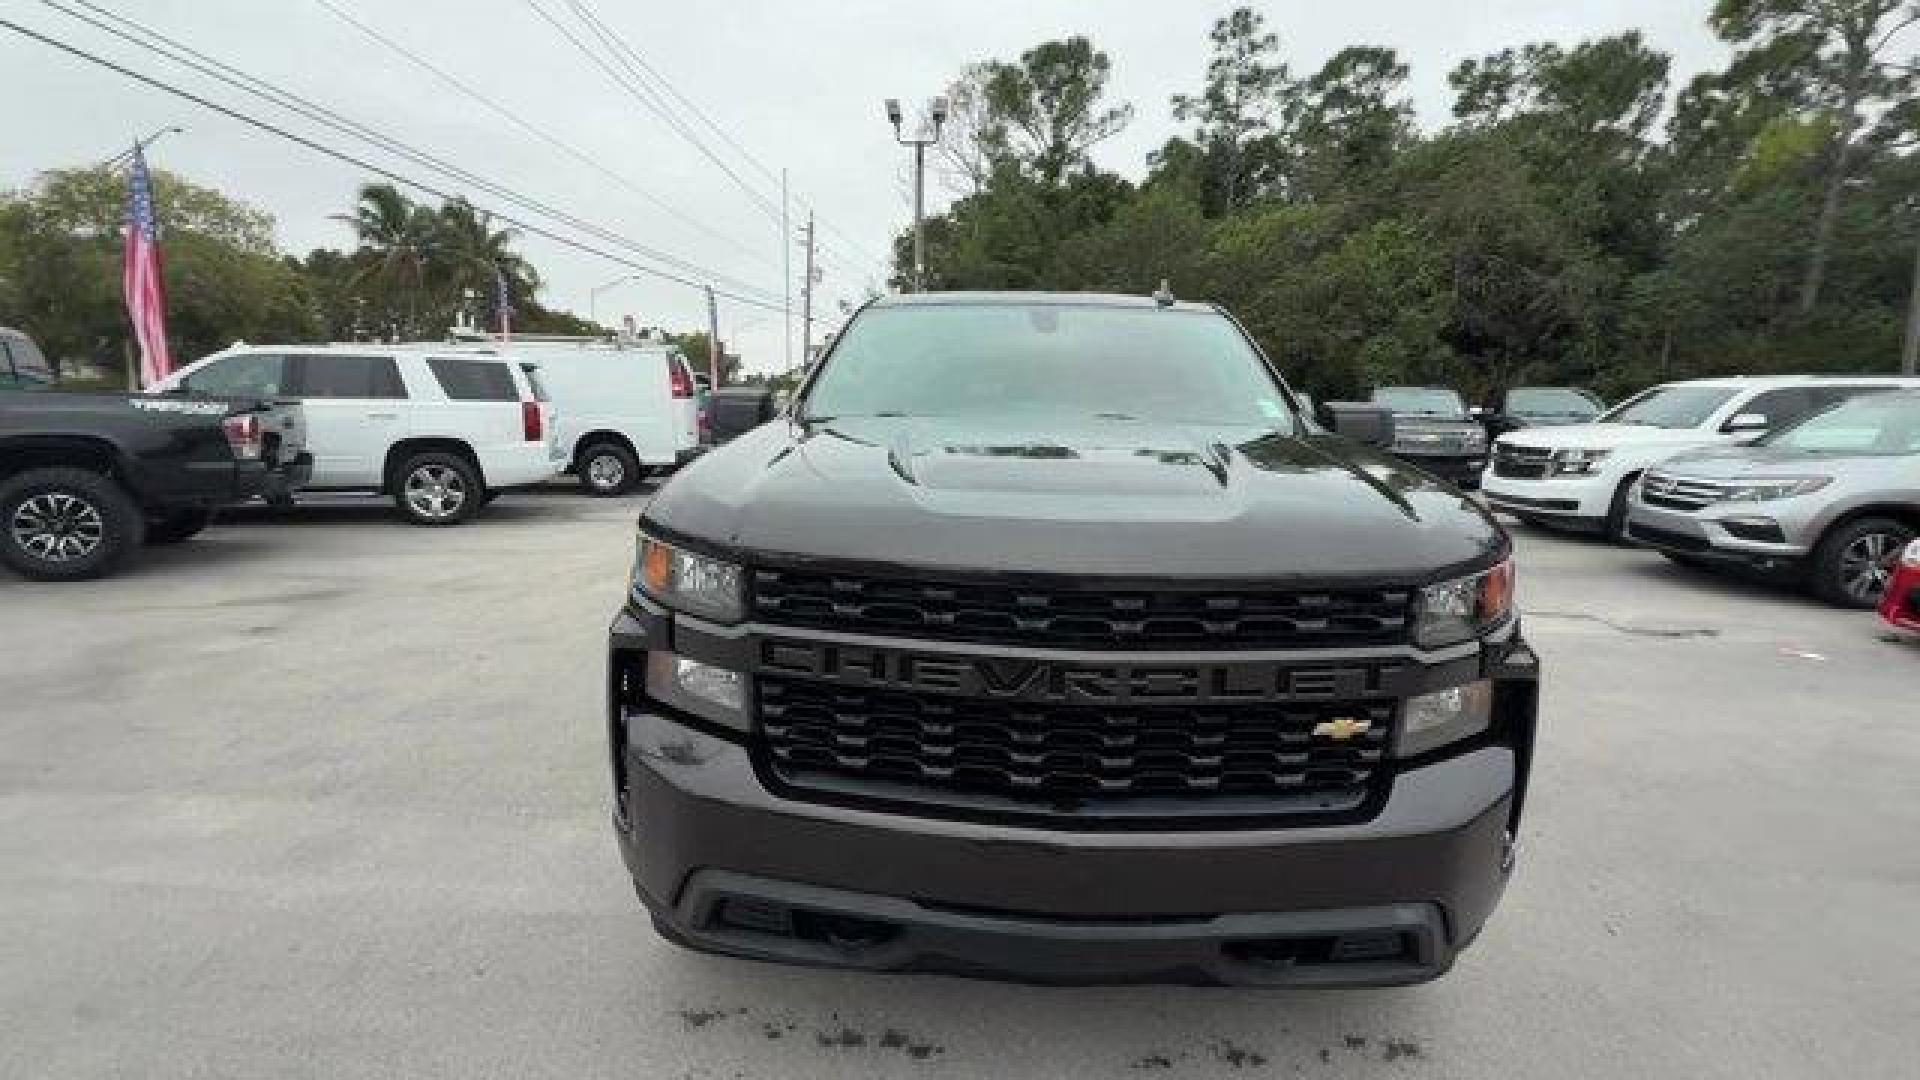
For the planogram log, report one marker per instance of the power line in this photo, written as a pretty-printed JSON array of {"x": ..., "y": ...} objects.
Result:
[
  {"x": 361, "y": 163},
  {"x": 639, "y": 92},
  {"x": 533, "y": 129},
  {"x": 636, "y": 64},
  {"x": 212, "y": 67}
]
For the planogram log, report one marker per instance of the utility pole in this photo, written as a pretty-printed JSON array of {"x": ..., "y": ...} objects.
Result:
[
  {"x": 786, "y": 270},
  {"x": 806, "y": 301},
  {"x": 713, "y": 341},
  {"x": 937, "y": 113},
  {"x": 1910, "y": 355}
]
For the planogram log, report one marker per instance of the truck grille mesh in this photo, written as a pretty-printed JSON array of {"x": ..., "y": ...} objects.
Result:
[
  {"x": 1005, "y": 614},
  {"x": 940, "y": 749}
]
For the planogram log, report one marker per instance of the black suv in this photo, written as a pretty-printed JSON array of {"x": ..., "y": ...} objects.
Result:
[
  {"x": 1433, "y": 429},
  {"x": 1044, "y": 639}
]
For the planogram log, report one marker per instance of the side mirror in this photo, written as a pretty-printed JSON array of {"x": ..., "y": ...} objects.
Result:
[
  {"x": 1361, "y": 421},
  {"x": 1748, "y": 423}
]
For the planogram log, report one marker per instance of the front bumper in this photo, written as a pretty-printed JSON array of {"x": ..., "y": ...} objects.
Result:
[
  {"x": 1579, "y": 502},
  {"x": 728, "y": 865},
  {"x": 1705, "y": 535},
  {"x": 1900, "y": 607}
]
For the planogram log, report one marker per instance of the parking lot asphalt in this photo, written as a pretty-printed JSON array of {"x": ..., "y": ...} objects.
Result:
[{"x": 321, "y": 795}]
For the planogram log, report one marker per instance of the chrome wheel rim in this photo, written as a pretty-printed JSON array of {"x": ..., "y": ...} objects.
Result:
[
  {"x": 1867, "y": 564},
  {"x": 436, "y": 491},
  {"x": 605, "y": 471},
  {"x": 55, "y": 526}
]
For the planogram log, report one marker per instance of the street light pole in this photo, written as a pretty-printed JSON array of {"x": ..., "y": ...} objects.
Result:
[
  {"x": 937, "y": 113},
  {"x": 593, "y": 296},
  {"x": 142, "y": 144}
]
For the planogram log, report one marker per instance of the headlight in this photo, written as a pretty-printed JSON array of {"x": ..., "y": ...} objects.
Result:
[
  {"x": 1445, "y": 716},
  {"x": 1464, "y": 608},
  {"x": 1911, "y": 557},
  {"x": 713, "y": 693},
  {"x": 684, "y": 581},
  {"x": 1578, "y": 462},
  {"x": 1781, "y": 487}
]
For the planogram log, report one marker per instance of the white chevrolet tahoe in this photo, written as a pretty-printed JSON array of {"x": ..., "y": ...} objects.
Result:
[
  {"x": 1579, "y": 476},
  {"x": 441, "y": 435}
]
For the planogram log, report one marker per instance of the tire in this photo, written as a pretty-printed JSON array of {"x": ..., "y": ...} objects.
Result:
[
  {"x": 1853, "y": 562},
  {"x": 177, "y": 526},
  {"x": 67, "y": 525},
  {"x": 436, "y": 489},
  {"x": 1615, "y": 529},
  {"x": 608, "y": 470}
]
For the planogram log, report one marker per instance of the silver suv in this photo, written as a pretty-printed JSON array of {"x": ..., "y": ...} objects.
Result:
[{"x": 1833, "y": 498}]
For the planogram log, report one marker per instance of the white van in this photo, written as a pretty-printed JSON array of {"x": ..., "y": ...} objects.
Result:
[
  {"x": 627, "y": 406},
  {"x": 443, "y": 432}
]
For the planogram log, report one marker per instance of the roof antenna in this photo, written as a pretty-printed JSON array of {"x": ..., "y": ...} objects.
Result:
[{"x": 1164, "y": 294}]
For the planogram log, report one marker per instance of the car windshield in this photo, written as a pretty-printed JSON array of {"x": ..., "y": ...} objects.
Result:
[
  {"x": 1421, "y": 401},
  {"x": 1550, "y": 401},
  {"x": 1670, "y": 406},
  {"x": 1874, "y": 425},
  {"x": 1065, "y": 360}
]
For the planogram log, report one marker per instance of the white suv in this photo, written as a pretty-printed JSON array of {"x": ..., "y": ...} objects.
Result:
[
  {"x": 1578, "y": 476},
  {"x": 441, "y": 434}
]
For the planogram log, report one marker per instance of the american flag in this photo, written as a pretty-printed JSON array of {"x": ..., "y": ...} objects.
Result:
[
  {"x": 503, "y": 303},
  {"x": 143, "y": 279}
]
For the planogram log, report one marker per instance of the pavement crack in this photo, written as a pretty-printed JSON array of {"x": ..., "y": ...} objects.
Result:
[{"x": 1647, "y": 630}]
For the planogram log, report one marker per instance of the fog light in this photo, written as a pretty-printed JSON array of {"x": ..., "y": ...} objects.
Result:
[
  {"x": 713, "y": 693},
  {"x": 1431, "y": 721}
]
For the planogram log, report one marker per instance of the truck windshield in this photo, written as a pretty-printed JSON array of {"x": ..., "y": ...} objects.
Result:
[
  {"x": 1550, "y": 401},
  {"x": 1421, "y": 401},
  {"x": 1871, "y": 426},
  {"x": 1670, "y": 406},
  {"x": 1051, "y": 360}
]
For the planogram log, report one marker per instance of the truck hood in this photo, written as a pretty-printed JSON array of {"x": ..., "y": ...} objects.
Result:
[
  {"x": 1608, "y": 436},
  {"x": 1743, "y": 462},
  {"x": 1108, "y": 498}
]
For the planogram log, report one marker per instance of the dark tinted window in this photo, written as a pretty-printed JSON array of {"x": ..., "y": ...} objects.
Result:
[
  {"x": 21, "y": 364},
  {"x": 334, "y": 376},
  {"x": 251, "y": 375},
  {"x": 533, "y": 381},
  {"x": 1781, "y": 407},
  {"x": 1067, "y": 360},
  {"x": 474, "y": 380}
]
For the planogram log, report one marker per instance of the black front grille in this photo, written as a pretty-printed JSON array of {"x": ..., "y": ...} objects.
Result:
[
  {"x": 1088, "y": 618},
  {"x": 1668, "y": 538},
  {"x": 1292, "y": 757},
  {"x": 1521, "y": 462}
]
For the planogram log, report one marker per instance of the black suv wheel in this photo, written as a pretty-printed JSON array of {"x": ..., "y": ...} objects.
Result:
[{"x": 66, "y": 524}]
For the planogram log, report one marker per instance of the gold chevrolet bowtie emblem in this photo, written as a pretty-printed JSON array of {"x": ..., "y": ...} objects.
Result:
[{"x": 1342, "y": 728}]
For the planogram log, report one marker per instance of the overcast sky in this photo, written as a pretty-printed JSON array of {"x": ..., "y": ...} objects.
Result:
[{"x": 798, "y": 83}]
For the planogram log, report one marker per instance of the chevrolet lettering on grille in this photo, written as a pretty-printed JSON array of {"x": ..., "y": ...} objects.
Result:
[{"x": 1034, "y": 680}]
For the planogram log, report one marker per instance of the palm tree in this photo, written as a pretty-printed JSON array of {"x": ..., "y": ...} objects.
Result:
[
  {"x": 397, "y": 238},
  {"x": 470, "y": 255}
]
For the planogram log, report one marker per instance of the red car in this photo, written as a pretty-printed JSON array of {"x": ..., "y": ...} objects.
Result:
[{"x": 1901, "y": 603}]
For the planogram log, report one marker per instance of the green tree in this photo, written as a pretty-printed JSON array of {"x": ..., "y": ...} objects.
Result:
[
  {"x": 1047, "y": 109},
  {"x": 1246, "y": 86},
  {"x": 1836, "y": 49}
]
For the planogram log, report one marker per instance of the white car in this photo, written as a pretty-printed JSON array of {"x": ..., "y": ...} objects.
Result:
[
  {"x": 440, "y": 433},
  {"x": 627, "y": 407},
  {"x": 1578, "y": 476}
]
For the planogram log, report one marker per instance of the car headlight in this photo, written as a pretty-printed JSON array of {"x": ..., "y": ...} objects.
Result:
[
  {"x": 1431, "y": 721},
  {"x": 1578, "y": 462},
  {"x": 685, "y": 581},
  {"x": 1464, "y": 608},
  {"x": 1771, "y": 488},
  {"x": 712, "y": 693}
]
